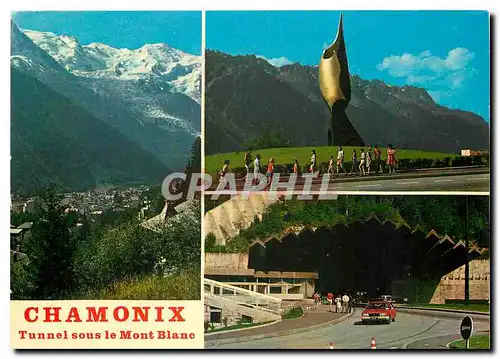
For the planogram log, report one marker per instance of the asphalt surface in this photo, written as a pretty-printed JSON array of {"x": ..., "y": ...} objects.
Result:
[
  {"x": 415, "y": 330},
  {"x": 469, "y": 183}
]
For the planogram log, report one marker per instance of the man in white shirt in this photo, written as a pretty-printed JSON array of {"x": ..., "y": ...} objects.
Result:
[
  {"x": 345, "y": 303},
  {"x": 256, "y": 168},
  {"x": 340, "y": 160}
]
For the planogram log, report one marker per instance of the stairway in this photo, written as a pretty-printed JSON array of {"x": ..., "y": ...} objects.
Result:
[{"x": 239, "y": 301}]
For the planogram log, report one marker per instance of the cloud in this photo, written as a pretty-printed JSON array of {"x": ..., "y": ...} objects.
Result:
[
  {"x": 277, "y": 61},
  {"x": 426, "y": 69}
]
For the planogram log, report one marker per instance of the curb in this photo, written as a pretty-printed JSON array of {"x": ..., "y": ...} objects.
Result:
[
  {"x": 454, "y": 341},
  {"x": 215, "y": 343},
  {"x": 444, "y": 310},
  {"x": 241, "y": 329}
]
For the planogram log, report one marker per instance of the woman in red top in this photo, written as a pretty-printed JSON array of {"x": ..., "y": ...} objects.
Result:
[{"x": 391, "y": 159}]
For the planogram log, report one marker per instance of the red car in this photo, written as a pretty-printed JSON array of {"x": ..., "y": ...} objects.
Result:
[{"x": 379, "y": 311}]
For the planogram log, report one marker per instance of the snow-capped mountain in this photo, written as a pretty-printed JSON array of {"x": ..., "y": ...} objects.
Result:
[
  {"x": 181, "y": 71},
  {"x": 151, "y": 94},
  {"x": 26, "y": 55}
]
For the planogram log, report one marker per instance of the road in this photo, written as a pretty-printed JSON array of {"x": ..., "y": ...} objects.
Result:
[
  {"x": 420, "y": 330},
  {"x": 469, "y": 183}
]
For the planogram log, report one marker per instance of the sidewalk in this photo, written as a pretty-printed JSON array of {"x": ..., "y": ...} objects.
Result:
[
  {"x": 419, "y": 173},
  {"x": 285, "y": 327}
]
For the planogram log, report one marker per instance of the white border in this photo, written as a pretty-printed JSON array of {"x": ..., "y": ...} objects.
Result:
[{"x": 183, "y": 5}]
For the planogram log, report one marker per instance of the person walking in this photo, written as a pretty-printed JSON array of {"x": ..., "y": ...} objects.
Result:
[
  {"x": 312, "y": 166},
  {"x": 345, "y": 303},
  {"x": 362, "y": 163},
  {"x": 340, "y": 160},
  {"x": 338, "y": 304},
  {"x": 368, "y": 160},
  {"x": 296, "y": 167},
  {"x": 376, "y": 154},
  {"x": 248, "y": 160},
  {"x": 224, "y": 170},
  {"x": 330, "y": 166},
  {"x": 329, "y": 297},
  {"x": 270, "y": 170},
  {"x": 256, "y": 168},
  {"x": 391, "y": 159},
  {"x": 354, "y": 159},
  {"x": 316, "y": 300}
]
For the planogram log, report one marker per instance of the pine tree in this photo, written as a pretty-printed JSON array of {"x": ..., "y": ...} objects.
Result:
[
  {"x": 50, "y": 251},
  {"x": 193, "y": 166}
]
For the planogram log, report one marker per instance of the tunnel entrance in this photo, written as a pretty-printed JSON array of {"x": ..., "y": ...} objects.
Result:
[{"x": 363, "y": 257}]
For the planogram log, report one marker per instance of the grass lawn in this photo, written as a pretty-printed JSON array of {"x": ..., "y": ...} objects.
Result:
[
  {"x": 237, "y": 326},
  {"x": 185, "y": 286},
  {"x": 476, "y": 342},
  {"x": 293, "y": 313},
  {"x": 214, "y": 163},
  {"x": 473, "y": 307}
]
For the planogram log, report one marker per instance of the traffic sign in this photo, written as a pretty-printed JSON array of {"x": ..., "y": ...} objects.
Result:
[{"x": 466, "y": 328}]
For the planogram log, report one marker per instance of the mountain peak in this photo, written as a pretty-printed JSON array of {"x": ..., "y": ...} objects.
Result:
[{"x": 180, "y": 71}]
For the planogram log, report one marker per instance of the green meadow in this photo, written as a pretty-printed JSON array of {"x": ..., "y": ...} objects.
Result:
[{"x": 214, "y": 163}]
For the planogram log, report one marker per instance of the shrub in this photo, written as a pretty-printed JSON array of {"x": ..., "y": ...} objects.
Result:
[{"x": 183, "y": 286}]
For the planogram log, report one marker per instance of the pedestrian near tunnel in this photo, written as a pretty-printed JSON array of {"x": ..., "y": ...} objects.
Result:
[
  {"x": 330, "y": 301},
  {"x": 338, "y": 304},
  {"x": 316, "y": 300},
  {"x": 345, "y": 303}
]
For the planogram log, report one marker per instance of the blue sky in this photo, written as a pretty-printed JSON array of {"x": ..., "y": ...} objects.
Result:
[
  {"x": 445, "y": 52},
  {"x": 179, "y": 29}
]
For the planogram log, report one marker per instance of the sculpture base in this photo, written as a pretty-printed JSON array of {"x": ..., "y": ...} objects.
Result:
[{"x": 342, "y": 132}]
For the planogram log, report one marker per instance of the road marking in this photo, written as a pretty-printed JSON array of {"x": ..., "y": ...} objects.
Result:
[
  {"x": 369, "y": 185},
  {"x": 393, "y": 348},
  {"x": 444, "y": 180},
  {"x": 403, "y": 183}
]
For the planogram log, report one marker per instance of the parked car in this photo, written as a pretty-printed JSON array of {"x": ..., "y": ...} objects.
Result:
[
  {"x": 386, "y": 297},
  {"x": 379, "y": 311}
]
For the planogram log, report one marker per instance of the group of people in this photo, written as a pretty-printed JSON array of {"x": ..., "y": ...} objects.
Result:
[
  {"x": 367, "y": 158},
  {"x": 364, "y": 166},
  {"x": 339, "y": 304}
]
